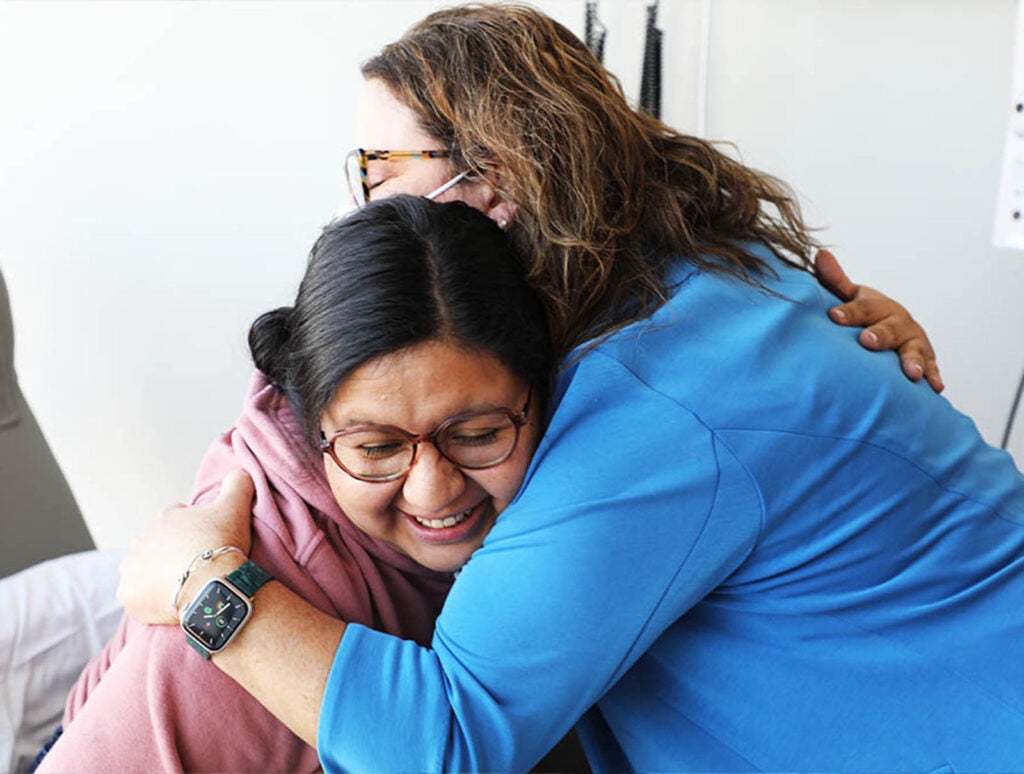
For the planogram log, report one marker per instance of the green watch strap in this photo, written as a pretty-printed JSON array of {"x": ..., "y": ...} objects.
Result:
[
  {"x": 245, "y": 581},
  {"x": 198, "y": 646},
  {"x": 249, "y": 577}
]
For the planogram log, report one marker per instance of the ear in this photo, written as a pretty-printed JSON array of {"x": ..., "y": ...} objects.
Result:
[
  {"x": 495, "y": 206},
  {"x": 503, "y": 212}
]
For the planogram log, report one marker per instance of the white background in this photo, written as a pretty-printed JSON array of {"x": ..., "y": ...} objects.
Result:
[{"x": 164, "y": 168}]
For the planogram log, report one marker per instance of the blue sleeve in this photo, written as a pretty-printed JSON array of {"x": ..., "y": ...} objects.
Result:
[{"x": 631, "y": 512}]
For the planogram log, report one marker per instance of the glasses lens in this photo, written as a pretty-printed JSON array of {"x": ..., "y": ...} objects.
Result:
[
  {"x": 375, "y": 455},
  {"x": 479, "y": 441},
  {"x": 355, "y": 178}
]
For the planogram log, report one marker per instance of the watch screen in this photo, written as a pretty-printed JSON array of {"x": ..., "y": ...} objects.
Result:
[{"x": 215, "y": 615}]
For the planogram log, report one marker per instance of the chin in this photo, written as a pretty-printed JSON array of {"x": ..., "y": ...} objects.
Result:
[{"x": 449, "y": 562}]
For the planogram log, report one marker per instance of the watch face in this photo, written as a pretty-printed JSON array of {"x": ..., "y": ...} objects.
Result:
[{"x": 216, "y": 614}]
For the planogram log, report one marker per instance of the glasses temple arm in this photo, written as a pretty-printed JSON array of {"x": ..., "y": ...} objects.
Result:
[{"x": 454, "y": 181}]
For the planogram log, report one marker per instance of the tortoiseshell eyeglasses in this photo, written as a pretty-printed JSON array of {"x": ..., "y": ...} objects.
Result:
[{"x": 358, "y": 176}]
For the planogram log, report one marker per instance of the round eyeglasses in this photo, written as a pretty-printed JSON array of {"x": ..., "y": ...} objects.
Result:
[
  {"x": 381, "y": 453},
  {"x": 357, "y": 170}
]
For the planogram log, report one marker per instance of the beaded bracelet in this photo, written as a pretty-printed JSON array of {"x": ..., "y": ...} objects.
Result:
[{"x": 204, "y": 556}]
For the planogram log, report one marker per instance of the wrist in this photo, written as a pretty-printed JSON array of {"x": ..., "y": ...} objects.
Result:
[
  {"x": 204, "y": 567},
  {"x": 223, "y": 606}
]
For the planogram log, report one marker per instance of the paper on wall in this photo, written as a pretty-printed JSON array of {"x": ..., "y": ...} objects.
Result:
[{"x": 1009, "y": 225}]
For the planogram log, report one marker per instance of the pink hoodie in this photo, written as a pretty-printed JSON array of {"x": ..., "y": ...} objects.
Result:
[{"x": 148, "y": 702}]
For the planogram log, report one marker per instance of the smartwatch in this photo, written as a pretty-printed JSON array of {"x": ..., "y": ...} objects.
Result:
[{"x": 222, "y": 608}]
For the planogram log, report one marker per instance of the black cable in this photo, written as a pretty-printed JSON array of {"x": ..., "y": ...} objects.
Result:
[
  {"x": 595, "y": 31},
  {"x": 1013, "y": 413},
  {"x": 650, "y": 81}
]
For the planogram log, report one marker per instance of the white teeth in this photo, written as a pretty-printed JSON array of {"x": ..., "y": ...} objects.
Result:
[{"x": 447, "y": 521}]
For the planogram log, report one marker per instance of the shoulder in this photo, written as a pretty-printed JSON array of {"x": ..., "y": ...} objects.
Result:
[
  {"x": 621, "y": 443},
  {"x": 749, "y": 354}
]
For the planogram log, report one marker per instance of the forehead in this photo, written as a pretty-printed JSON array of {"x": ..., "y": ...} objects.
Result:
[
  {"x": 383, "y": 122},
  {"x": 418, "y": 387}
]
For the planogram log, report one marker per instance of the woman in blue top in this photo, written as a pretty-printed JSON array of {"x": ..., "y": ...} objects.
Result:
[{"x": 744, "y": 543}]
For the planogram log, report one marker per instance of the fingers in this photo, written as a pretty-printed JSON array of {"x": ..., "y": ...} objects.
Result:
[
  {"x": 869, "y": 308},
  {"x": 890, "y": 326},
  {"x": 931, "y": 373},
  {"x": 236, "y": 490},
  {"x": 831, "y": 275},
  {"x": 151, "y": 570},
  {"x": 229, "y": 515},
  {"x": 887, "y": 325},
  {"x": 919, "y": 362},
  {"x": 916, "y": 354}
]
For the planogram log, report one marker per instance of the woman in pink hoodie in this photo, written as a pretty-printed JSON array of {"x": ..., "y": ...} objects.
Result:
[{"x": 412, "y": 318}]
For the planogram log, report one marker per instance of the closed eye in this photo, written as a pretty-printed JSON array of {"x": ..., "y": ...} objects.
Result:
[
  {"x": 380, "y": 451},
  {"x": 475, "y": 439}
]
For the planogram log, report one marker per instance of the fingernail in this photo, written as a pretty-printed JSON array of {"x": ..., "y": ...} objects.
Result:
[
  {"x": 837, "y": 314},
  {"x": 918, "y": 369},
  {"x": 872, "y": 338}
]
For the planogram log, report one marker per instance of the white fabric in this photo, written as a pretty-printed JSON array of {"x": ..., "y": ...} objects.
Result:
[{"x": 54, "y": 616}]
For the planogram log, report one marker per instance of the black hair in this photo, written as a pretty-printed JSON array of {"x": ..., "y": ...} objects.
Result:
[{"x": 392, "y": 274}]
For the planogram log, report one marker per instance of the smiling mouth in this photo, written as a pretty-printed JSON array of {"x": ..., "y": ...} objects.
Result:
[{"x": 447, "y": 521}]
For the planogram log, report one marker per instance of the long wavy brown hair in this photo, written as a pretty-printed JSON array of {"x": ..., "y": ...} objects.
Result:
[{"x": 607, "y": 196}]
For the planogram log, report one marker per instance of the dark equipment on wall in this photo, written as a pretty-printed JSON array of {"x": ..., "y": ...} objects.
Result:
[
  {"x": 650, "y": 81},
  {"x": 1013, "y": 414},
  {"x": 595, "y": 31}
]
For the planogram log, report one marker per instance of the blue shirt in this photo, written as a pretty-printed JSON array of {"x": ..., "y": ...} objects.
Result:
[{"x": 749, "y": 543}]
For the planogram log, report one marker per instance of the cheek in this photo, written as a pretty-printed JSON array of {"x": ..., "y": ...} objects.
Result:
[
  {"x": 504, "y": 482},
  {"x": 363, "y": 503},
  {"x": 418, "y": 179}
]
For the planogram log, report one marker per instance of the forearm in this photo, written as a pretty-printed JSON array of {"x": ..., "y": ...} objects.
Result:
[{"x": 283, "y": 655}]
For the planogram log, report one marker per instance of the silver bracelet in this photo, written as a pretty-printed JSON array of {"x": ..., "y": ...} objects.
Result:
[{"x": 203, "y": 556}]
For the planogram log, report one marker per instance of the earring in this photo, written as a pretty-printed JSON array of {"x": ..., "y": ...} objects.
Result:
[{"x": 503, "y": 224}]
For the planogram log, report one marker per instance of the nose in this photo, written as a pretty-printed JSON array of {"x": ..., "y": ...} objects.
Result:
[{"x": 432, "y": 483}]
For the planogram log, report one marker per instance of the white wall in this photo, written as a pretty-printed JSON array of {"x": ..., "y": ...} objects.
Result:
[
  {"x": 164, "y": 168},
  {"x": 889, "y": 118}
]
